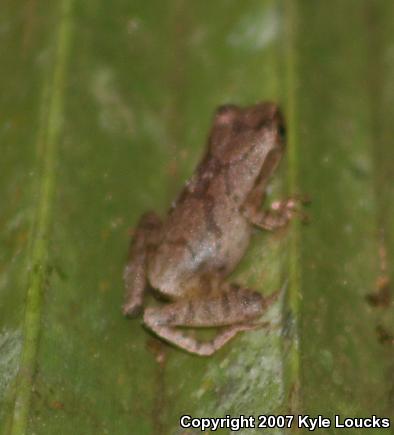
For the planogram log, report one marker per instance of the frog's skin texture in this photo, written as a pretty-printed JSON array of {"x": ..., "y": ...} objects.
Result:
[{"x": 187, "y": 256}]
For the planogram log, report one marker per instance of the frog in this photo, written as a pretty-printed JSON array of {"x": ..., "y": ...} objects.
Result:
[{"x": 187, "y": 256}]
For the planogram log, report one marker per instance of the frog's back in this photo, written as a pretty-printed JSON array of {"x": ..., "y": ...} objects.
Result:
[
  {"x": 199, "y": 236},
  {"x": 205, "y": 231}
]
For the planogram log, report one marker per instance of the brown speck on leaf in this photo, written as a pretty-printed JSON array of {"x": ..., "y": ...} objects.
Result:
[
  {"x": 120, "y": 379},
  {"x": 172, "y": 168},
  {"x": 105, "y": 234},
  {"x": 56, "y": 404},
  {"x": 384, "y": 336},
  {"x": 158, "y": 349},
  {"x": 381, "y": 297},
  {"x": 103, "y": 286}
]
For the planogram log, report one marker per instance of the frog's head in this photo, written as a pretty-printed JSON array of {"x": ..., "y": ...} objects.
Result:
[{"x": 235, "y": 130}]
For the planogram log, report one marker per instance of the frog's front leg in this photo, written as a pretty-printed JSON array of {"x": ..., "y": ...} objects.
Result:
[
  {"x": 280, "y": 213},
  {"x": 135, "y": 279},
  {"x": 233, "y": 310}
]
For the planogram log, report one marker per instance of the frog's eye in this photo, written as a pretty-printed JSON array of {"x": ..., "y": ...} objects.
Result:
[{"x": 282, "y": 132}]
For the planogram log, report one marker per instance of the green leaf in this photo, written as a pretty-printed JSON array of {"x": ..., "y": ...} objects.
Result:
[{"x": 105, "y": 113}]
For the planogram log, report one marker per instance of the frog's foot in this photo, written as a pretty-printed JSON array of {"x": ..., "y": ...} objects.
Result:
[
  {"x": 135, "y": 271},
  {"x": 233, "y": 310},
  {"x": 280, "y": 213}
]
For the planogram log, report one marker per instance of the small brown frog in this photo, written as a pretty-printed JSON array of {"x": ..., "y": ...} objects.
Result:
[{"x": 187, "y": 256}]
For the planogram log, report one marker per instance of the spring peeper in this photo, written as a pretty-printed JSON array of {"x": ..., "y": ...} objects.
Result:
[{"x": 187, "y": 255}]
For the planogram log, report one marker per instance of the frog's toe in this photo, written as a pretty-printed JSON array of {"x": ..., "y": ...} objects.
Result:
[{"x": 131, "y": 309}]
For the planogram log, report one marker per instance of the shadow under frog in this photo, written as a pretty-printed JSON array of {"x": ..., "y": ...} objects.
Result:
[{"x": 187, "y": 256}]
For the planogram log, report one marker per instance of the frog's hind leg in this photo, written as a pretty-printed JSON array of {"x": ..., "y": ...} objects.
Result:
[
  {"x": 134, "y": 276},
  {"x": 179, "y": 338},
  {"x": 233, "y": 310}
]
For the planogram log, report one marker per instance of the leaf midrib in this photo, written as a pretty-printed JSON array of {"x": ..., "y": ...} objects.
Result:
[{"x": 47, "y": 142}]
